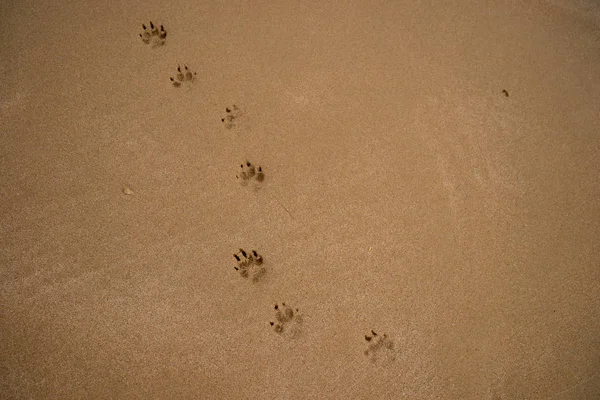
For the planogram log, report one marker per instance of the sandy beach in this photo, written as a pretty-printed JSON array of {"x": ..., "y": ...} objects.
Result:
[{"x": 428, "y": 221}]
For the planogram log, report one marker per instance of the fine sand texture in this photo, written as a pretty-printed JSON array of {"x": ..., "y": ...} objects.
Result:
[{"x": 426, "y": 217}]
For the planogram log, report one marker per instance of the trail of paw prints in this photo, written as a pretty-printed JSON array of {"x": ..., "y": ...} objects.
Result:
[
  {"x": 249, "y": 172},
  {"x": 153, "y": 35},
  {"x": 380, "y": 348},
  {"x": 230, "y": 119},
  {"x": 183, "y": 76},
  {"x": 288, "y": 321},
  {"x": 249, "y": 264}
]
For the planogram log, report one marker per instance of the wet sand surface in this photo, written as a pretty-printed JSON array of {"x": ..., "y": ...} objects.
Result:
[{"x": 429, "y": 210}]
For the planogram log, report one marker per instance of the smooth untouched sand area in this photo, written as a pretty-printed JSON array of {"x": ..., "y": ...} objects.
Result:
[{"x": 432, "y": 173}]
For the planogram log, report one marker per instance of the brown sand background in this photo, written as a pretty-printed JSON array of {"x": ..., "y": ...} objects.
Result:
[{"x": 422, "y": 201}]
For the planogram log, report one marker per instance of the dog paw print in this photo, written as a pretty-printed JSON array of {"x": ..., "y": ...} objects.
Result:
[
  {"x": 232, "y": 113},
  {"x": 379, "y": 347},
  {"x": 287, "y": 320},
  {"x": 153, "y": 35},
  {"x": 249, "y": 264},
  {"x": 183, "y": 76},
  {"x": 249, "y": 171}
]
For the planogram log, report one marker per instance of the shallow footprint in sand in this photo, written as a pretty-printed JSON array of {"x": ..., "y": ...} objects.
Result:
[
  {"x": 231, "y": 117},
  {"x": 250, "y": 264},
  {"x": 380, "y": 348},
  {"x": 250, "y": 172},
  {"x": 183, "y": 76},
  {"x": 153, "y": 35},
  {"x": 288, "y": 321}
]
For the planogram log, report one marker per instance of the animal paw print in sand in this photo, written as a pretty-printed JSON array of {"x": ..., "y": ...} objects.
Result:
[
  {"x": 182, "y": 77},
  {"x": 287, "y": 320},
  {"x": 380, "y": 347},
  {"x": 249, "y": 171},
  {"x": 249, "y": 264},
  {"x": 154, "y": 35},
  {"x": 229, "y": 120}
]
